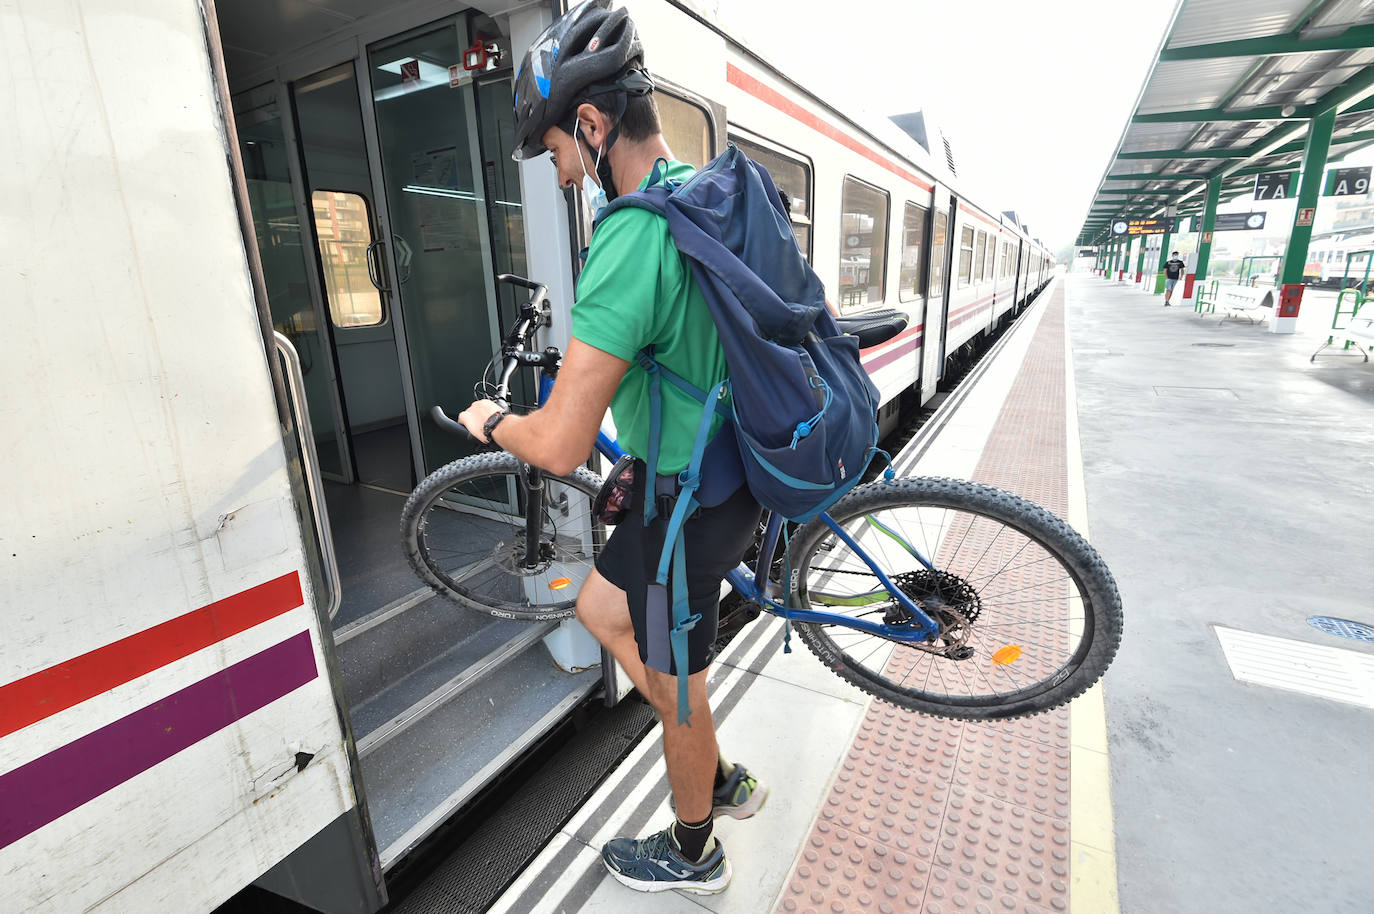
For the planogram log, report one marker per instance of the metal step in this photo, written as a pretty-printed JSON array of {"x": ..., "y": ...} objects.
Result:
[
  {"x": 411, "y": 656},
  {"x": 428, "y": 768}
]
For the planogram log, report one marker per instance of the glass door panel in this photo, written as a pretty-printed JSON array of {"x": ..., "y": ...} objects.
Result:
[
  {"x": 285, "y": 258},
  {"x": 437, "y": 208},
  {"x": 350, "y": 255}
]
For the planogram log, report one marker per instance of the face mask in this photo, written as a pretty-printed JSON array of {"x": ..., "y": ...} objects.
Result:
[{"x": 592, "y": 192}]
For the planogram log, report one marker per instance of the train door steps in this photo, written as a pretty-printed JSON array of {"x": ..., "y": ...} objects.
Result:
[
  {"x": 428, "y": 769},
  {"x": 467, "y": 874},
  {"x": 423, "y": 656}
]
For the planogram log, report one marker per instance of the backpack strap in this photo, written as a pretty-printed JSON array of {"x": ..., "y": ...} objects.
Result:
[
  {"x": 657, "y": 372},
  {"x": 674, "y": 558}
]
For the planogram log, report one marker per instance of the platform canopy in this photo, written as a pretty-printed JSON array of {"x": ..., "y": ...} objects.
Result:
[{"x": 1233, "y": 90}]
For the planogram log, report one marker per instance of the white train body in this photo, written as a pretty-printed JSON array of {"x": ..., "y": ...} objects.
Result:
[{"x": 172, "y": 721}]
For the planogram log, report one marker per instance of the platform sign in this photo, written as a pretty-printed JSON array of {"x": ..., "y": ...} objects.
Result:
[
  {"x": 1238, "y": 222},
  {"x": 1347, "y": 182},
  {"x": 1274, "y": 185},
  {"x": 1087, "y": 252},
  {"x": 1142, "y": 226}
]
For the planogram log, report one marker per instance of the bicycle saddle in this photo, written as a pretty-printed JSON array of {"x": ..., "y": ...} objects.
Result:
[{"x": 873, "y": 327}]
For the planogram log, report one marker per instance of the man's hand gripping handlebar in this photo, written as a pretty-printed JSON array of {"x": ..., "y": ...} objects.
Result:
[{"x": 534, "y": 314}]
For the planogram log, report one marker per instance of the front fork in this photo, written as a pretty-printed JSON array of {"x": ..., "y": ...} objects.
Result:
[{"x": 533, "y": 480}]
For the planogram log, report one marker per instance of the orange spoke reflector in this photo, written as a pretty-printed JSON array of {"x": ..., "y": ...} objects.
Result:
[
  {"x": 559, "y": 583},
  {"x": 1007, "y": 655}
]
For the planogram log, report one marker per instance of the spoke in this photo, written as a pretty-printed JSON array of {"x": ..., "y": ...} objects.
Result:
[
  {"x": 991, "y": 543},
  {"x": 469, "y": 570},
  {"x": 1010, "y": 560},
  {"x": 1047, "y": 557},
  {"x": 1006, "y": 593}
]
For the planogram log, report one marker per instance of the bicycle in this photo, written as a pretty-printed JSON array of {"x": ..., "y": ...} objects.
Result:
[{"x": 901, "y": 588}]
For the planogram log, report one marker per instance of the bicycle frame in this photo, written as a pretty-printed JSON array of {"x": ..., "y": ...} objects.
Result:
[{"x": 746, "y": 581}]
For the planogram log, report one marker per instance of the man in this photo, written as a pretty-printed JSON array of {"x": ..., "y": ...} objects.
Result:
[
  {"x": 1173, "y": 272},
  {"x": 583, "y": 95}
]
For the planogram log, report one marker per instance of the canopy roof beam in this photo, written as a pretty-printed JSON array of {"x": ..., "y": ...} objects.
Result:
[{"x": 1354, "y": 38}]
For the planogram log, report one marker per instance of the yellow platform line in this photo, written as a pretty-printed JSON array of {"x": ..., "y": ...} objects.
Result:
[{"x": 1092, "y": 835}]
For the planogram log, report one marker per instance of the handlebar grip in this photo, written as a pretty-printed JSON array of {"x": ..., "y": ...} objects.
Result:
[
  {"x": 519, "y": 281},
  {"x": 442, "y": 420}
]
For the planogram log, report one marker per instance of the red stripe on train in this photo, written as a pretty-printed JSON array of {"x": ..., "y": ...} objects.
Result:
[
  {"x": 741, "y": 80},
  {"x": 46, "y": 692}
]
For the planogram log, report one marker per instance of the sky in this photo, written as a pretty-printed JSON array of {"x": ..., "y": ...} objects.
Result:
[{"x": 1032, "y": 96}]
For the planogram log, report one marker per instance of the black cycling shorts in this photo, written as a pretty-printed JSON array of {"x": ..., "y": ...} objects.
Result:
[{"x": 716, "y": 540}]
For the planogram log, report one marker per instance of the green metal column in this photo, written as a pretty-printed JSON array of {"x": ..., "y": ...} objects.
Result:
[
  {"x": 1204, "y": 238},
  {"x": 1140, "y": 260},
  {"x": 1285, "y": 319},
  {"x": 1163, "y": 256}
]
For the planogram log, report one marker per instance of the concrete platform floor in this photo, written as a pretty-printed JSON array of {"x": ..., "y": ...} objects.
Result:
[{"x": 1229, "y": 483}]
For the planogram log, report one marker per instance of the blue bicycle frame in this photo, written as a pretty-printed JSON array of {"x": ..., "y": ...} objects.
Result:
[{"x": 746, "y": 581}]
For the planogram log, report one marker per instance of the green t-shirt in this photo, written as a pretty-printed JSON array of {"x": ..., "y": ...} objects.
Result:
[{"x": 636, "y": 290}]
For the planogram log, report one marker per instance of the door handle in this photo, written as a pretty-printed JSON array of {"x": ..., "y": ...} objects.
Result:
[
  {"x": 375, "y": 266},
  {"x": 310, "y": 465}
]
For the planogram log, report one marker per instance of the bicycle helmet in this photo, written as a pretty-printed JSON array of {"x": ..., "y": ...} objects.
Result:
[{"x": 589, "y": 50}]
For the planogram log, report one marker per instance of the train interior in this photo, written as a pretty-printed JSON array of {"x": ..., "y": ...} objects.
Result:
[{"x": 385, "y": 201}]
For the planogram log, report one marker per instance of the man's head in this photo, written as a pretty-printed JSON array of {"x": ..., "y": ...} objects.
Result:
[
  {"x": 1174, "y": 254},
  {"x": 580, "y": 87},
  {"x": 592, "y": 124}
]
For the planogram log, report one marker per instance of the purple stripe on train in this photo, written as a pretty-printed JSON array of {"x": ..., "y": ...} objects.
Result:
[{"x": 51, "y": 786}]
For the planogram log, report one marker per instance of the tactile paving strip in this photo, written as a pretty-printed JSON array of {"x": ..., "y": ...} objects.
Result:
[{"x": 936, "y": 816}]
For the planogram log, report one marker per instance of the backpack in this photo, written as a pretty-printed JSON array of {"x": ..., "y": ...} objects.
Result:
[{"x": 803, "y": 414}]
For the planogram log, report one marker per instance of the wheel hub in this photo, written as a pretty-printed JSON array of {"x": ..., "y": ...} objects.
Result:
[{"x": 510, "y": 556}]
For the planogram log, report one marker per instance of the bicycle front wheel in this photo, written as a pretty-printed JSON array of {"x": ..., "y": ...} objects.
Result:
[
  {"x": 1029, "y": 614},
  {"x": 464, "y": 533}
]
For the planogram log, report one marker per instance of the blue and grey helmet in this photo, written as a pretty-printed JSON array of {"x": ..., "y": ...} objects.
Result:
[{"x": 589, "y": 50}]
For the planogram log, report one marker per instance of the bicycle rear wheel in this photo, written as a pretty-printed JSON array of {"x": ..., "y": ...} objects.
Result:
[
  {"x": 1030, "y": 616},
  {"x": 463, "y": 531}
]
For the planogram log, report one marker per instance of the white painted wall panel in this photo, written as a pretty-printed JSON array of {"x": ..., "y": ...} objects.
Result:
[{"x": 141, "y": 465}]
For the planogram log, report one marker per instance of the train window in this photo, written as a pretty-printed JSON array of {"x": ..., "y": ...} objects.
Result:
[
  {"x": 992, "y": 258},
  {"x": 792, "y": 176},
  {"x": 910, "y": 284},
  {"x": 980, "y": 258},
  {"x": 965, "y": 256},
  {"x": 686, "y": 128},
  {"x": 343, "y": 225},
  {"x": 863, "y": 243},
  {"x": 937, "y": 255}
]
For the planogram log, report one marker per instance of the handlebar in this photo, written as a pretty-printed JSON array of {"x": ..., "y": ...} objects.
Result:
[{"x": 533, "y": 314}]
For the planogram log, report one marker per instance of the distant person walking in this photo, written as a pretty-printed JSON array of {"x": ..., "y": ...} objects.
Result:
[{"x": 1173, "y": 272}]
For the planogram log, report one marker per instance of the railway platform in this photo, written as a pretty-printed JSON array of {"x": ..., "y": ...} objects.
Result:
[{"x": 1219, "y": 766}]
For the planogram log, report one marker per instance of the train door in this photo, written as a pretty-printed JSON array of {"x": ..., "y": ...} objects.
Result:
[
  {"x": 385, "y": 203},
  {"x": 937, "y": 300}
]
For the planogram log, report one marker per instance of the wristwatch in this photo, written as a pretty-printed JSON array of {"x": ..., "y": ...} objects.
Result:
[{"x": 492, "y": 421}]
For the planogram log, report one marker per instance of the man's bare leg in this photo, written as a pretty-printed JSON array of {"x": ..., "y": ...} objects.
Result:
[
  {"x": 689, "y": 749},
  {"x": 604, "y": 610},
  {"x": 691, "y": 752}
]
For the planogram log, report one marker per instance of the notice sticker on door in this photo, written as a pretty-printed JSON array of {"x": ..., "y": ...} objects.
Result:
[
  {"x": 410, "y": 72},
  {"x": 457, "y": 76}
]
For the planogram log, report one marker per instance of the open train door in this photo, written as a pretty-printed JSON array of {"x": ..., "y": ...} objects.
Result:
[{"x": 937, "y": 300}]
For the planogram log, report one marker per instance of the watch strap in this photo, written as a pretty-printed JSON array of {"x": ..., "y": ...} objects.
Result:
[{"x": 492, "y": 421}]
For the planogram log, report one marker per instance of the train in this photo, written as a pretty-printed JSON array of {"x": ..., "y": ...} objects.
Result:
[
  {"x": 250, "y": 248},
  {"x": 1327, "y": 255}
]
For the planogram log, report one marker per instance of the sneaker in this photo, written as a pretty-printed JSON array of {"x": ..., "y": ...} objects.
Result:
[
  {"x": 739, "y": 797},
  {"x": 656, "y": 864}
]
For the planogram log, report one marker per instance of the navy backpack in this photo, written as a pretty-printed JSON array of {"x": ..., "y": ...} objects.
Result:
[{"x": 804, "y": 414}]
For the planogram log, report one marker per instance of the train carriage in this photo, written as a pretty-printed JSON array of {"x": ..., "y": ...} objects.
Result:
[{"x": 253, "y": 247}]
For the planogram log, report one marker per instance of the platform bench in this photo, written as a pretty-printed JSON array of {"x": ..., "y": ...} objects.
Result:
[
  {"x": 1250, "y": 302},
  {"x": 1360, "y": 333}
]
